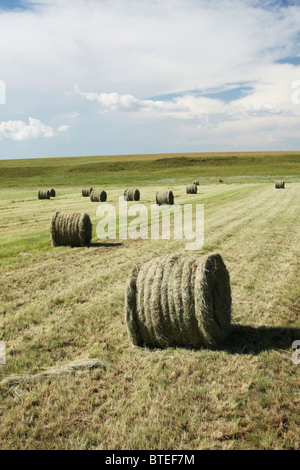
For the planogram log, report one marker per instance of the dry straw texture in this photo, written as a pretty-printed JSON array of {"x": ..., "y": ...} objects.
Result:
[
  {"x": 98, "y": 196},
  {"x": 53, "y": 372},
  {"x": 86, "y": 192},
  {"x": 164, "y": 197},
  {"x": 52, "y": 192},
  {"x": 179, "y": 300},
  {"x": 191, "y": 189},
  {"x": 44, "y": 194},
  {"x": 74, "y": 229},
  {"x": 196, "y": 182},
  {"x": 131, "y": 194},
  {"x": 279, "y": 184}
]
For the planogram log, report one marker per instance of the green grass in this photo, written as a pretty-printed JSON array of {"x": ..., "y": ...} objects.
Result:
[
  {"x": 147, "y": 168},
  {"x": 62, "y": 304}
]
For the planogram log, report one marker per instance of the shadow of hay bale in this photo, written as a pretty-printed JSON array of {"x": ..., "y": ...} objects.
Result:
[
  {"x": 250, "y": 340},
  {"x": 99, "y": 245}
]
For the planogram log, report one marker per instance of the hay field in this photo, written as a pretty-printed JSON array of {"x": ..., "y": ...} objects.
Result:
[{"x": 63, "y": 304}]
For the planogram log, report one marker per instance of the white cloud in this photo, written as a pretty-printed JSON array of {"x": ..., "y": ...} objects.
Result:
[
  {"x": 19, "y": 130},
  {"x": 184, "y": 107},
  {"x": 127, "y": 50},
  {"x": 63, "y": 128},
  {"x": 143, "y": 48},
  {"x": 269, "y": 97}
]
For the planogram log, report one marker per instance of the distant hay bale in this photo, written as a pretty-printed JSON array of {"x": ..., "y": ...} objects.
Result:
[
  {"x": 98, "y": 196},
  {"x": 44, "y": 194},
  {"x": 131, "y": 194},
  {"x": 52, "y": 192},
  {"x": 196, "y": 182},
  {"x": 53, "y": 372},
  {"x": 279, "y": 184},
  {"x": 74, "y": 229},
  {"x": 179, "y": 300},
  {"x": 86, "y": 192},
  {"x": 164, "y": 197},
  {"x": 191, "y": 189}
]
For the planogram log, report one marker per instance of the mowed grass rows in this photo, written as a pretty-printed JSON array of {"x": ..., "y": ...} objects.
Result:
[{"x": 62, "y": 304}]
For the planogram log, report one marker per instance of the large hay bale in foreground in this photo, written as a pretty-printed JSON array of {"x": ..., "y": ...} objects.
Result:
[
  {"x": 279, "y": 184},
  {"x": 164, "y": 197},
  {"x": 44, "y": 194},
  {"x": 191, "y": 189},
  {"x": 179, "y": 300},
  {"x": 52, "y": 192},
  {"x": 74, "y": 229},
  {"x": 131, "y": 194},
  {"x": 98, "y": 196},
  {"x": 196, "y": 182},
  {"x": 86, "y": 192}
]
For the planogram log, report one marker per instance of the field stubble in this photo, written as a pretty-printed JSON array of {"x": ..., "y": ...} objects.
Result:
[{"x": 58, "y": 305}]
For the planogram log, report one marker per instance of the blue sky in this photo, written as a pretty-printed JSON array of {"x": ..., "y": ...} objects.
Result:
[
  {"x": 95, "y": 77},
  {"x": 13, "y": 4}
]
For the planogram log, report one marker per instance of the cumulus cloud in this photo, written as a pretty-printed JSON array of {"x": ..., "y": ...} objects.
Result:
[
  {"x": 63, "y": 128},
  {"x": 117, "y": 102},
  {"x": 260, "y": 102},
  {"x": 126, "y": 50},
  {"x": 143, "y": 48},
  {"x": 185, "y": 107},
  {"x": 19, "y": 130}
]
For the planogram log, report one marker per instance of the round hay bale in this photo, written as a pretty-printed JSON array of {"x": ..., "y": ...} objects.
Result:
[
  {"x": 179, "y": 300},
  {"x": 86, "y": 192},
  {"x": 164, "y": 197},
  {"x": 44, "y": 194},
  {"x": 191, "y": 189},
  {"x": 52, "y": 192},
  {"x": 131, "y": 194},
  {"x": 74, "y": 229},
  {"x": 196, "y": 182},
  {"x": 279, "y": 184},
  {"x": 98, "y": 196}
]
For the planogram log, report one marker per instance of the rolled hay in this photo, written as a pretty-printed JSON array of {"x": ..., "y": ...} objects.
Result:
[
  {"x": 98, "y": 196},
  {"x": 164, "y": 197},
  {"x": 86, "y": 192},
  {"x": 196, "y": 182},
  {"x": 179, "y": 300},
  {"x": 74, "y": 229},
  {"x": 131, "y": 194},
  {"x": 279, "y": 184},
  {"x": 52, "y": 192},
  {"x": 191, "y": 189},
  {"x": 44, "y": 194}
]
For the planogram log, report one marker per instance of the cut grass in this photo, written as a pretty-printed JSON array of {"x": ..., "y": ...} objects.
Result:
[{"x": 59, "y": 305}]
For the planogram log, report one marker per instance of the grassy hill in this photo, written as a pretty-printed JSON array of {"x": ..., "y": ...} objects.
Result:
[{"x": 147, "y": 168}]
